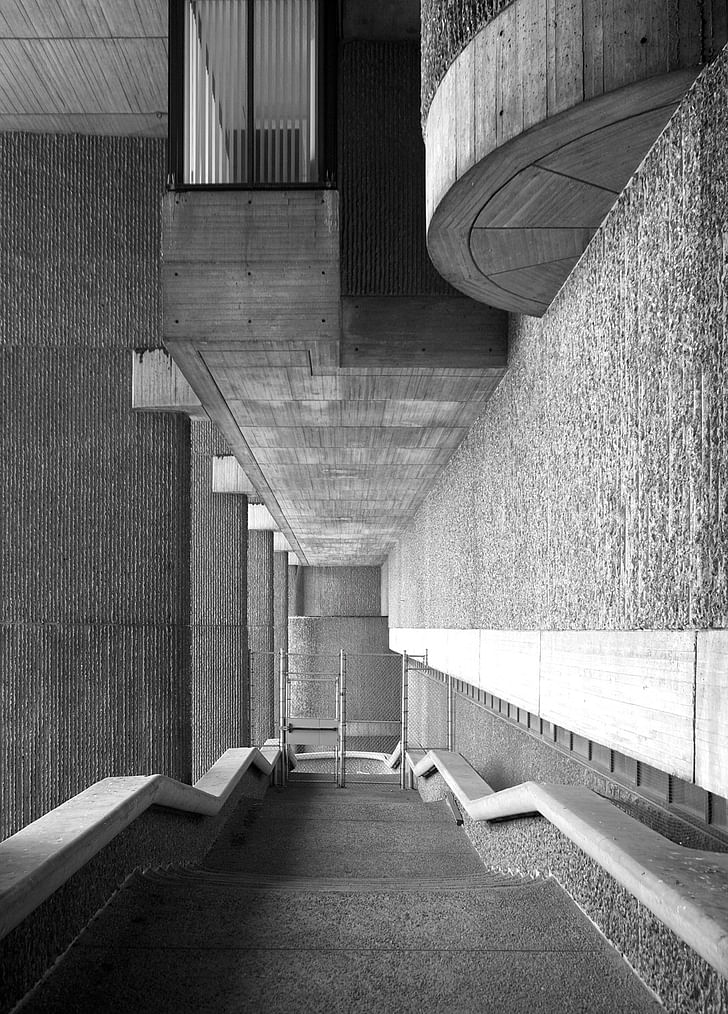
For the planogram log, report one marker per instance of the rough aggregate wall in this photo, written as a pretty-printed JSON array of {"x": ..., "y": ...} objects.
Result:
[
  {"x": 591, "y": 493},
  {"x": 280, "y": 602},
  {"x": 382, "y": 175},
  {"x": 218, "y": 604},
  {"x": 341, "y": 591},
  {"x": 531, "y": 846},
  {"x": 95, "y": 519}
]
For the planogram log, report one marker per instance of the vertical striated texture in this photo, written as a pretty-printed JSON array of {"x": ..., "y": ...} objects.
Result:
[
  {"x": 382, "y": 185},
  {"x": 592, "y": 492},
  {"x": 260, "y": 590},
  {"x": 94, "y": 600},
  {"x": 218, "y": 621},
  {"x": 447, "y": 28},
  {"x": 261, "y": 635},
  {"x": 341, "y": 591},
  {"x": 280, "y": 602}
]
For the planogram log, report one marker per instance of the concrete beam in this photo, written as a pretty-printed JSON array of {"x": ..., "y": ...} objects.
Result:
[
  {"x": 260, "y": 519},
  {"x": 158, "y": 385},
  {"x": 229, "y": 477},
  {"x": 281, "y": 543}
]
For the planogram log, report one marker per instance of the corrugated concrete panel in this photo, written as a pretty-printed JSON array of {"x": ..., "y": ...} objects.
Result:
[
  {"x": 280, "y": 601},
  {"x": 341, "y": 591},
  {"x": 382, "y": 186},
  {"x": 218, "y": 596},
  {"x": 95, "y": 559},
  {"x": 260, "y": 590},
  {"x": 590, "y": 493}
]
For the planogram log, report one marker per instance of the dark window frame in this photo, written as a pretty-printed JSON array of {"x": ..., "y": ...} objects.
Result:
[{"x": 327, "y": 98}]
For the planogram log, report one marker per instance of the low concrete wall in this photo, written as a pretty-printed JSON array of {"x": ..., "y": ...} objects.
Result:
[
  {"x": 656, "y": 696},
  {"x": 159, "y": 837}
]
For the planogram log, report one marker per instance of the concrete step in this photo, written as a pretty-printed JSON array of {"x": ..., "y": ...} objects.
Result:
[{"x": 319, "y": 899}]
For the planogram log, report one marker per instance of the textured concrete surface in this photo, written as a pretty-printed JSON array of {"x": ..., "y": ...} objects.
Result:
[
  {"x": 373, "y": 672},
  {"x": 530, "y": 846},
  {"x": 382, "y": 185},
  {"x": 447, "y": 28},
  {"x": 95, "y": 538},
  {"x": 341, "y": 591},
  {"x": 233, "y": 935},
  {"x": 218, "y": 596},
  {"x": 158, "y": 837},
  {"x": 261, "y": 626},
  {"x": 590, "y": 493}
]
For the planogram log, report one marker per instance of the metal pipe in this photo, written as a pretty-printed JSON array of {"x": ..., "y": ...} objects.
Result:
[
  {"x": 342, "y": 717},
  {"x": 403, "y": 766}
]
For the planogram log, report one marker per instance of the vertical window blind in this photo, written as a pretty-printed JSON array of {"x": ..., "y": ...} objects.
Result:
[{"x": 251, "y": 92}]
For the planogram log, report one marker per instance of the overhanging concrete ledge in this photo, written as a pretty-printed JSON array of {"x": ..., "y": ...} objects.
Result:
[
  {"x": 687, "y": 889},
  {"x": 44, "y": 855}
]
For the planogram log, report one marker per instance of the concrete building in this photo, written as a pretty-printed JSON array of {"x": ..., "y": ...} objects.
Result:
[{"x": 516, "y": 463}]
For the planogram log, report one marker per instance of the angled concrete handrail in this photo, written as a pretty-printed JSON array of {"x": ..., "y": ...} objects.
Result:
[
  {"x": 687, "y": 889},
  {"x": 44, "y": 855}
]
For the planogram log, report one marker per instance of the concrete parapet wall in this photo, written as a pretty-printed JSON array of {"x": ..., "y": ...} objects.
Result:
[{"x": 656, "y": 696}]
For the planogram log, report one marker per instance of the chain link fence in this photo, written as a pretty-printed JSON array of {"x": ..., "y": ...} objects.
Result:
[
  {"x": 373, "y": 702},
  {"x": 429, "y": 719}
]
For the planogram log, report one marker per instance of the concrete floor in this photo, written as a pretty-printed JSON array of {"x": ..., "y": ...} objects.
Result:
[{"x": 362, "y": 899}]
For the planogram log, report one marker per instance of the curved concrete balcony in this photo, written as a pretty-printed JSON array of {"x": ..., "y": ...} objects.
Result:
[{"x": 538, "y": 125}]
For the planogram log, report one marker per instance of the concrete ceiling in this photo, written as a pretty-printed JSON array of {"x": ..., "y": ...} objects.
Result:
[{"x": 373, "y": 437}]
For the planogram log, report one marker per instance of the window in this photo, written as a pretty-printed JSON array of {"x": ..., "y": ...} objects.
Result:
[{"x": 252, "y": 83}]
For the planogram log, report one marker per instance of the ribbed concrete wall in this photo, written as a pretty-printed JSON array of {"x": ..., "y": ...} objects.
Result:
[
  {"x": 219, "y": 633},
  {"x": 95, "y": 559},
  {"x": 263, "y": 673},
  {"x": 260, "y": 590},
  {"x": 280, "y": 602},
  {"x": 591, "y": 492},
  {"x": 341, "y": 591},
  {"x": 382, "y": 178}
]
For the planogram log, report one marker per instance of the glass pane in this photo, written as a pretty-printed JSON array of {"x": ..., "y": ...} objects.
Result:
[
  {"x": 286, "y": 90},
  {"x": 216, "y": 101},
  {"x": 282, "y": 147}
]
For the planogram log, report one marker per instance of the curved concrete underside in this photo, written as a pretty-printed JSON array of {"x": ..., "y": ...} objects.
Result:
[{"x": 534, "y": 131}]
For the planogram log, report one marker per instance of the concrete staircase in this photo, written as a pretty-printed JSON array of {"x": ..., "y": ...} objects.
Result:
[{"x": 321, "y": 899}]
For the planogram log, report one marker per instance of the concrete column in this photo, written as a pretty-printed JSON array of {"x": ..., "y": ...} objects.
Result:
[
  {"x": 218, "y": 606},
  {"x": 260, "y": 634},
  {"x": 280, "y": 602},
  {"x": 280, "y": 616},
  {"x": 296, "y": 590}
]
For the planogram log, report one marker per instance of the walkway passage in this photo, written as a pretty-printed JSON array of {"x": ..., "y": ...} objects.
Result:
[{"x": 321, "y": 899}]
